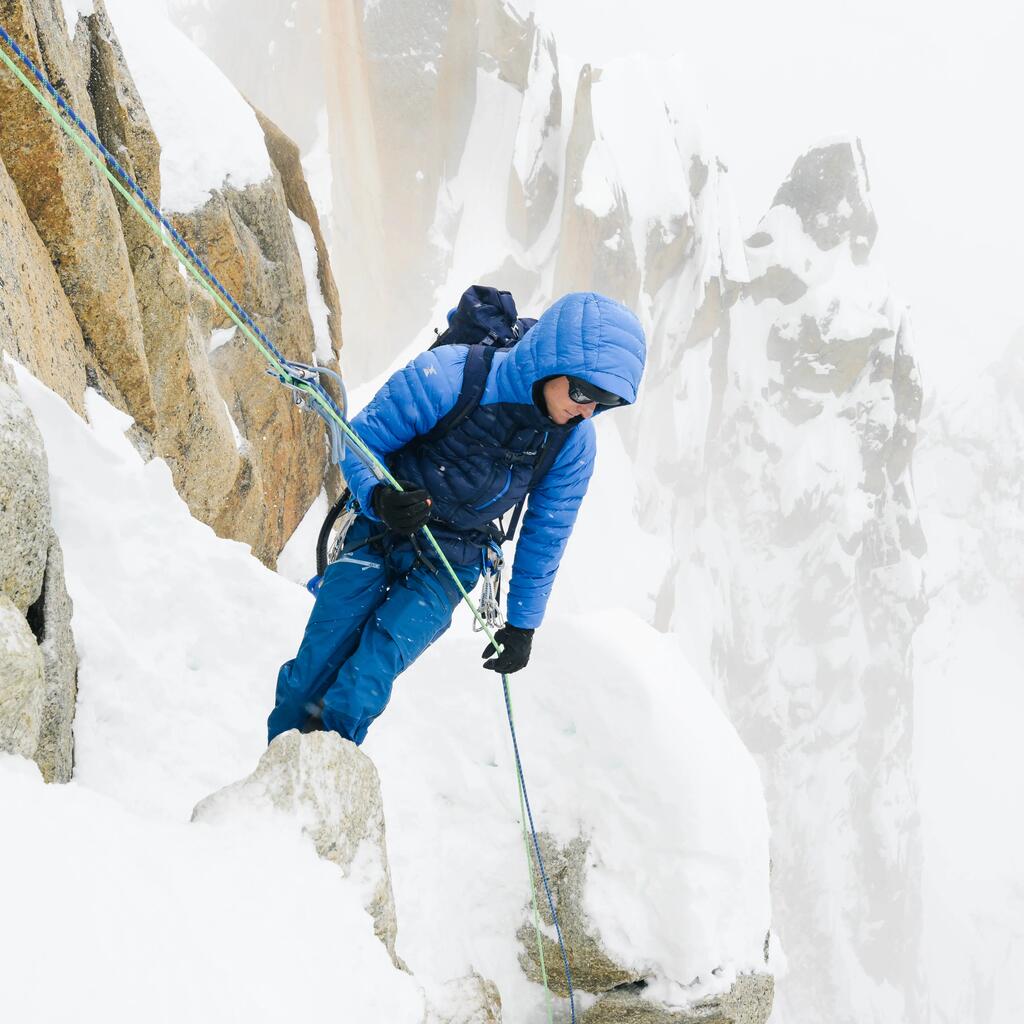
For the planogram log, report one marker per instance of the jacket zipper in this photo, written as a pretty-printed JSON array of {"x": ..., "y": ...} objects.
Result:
[{"x": 500, "y": 494}]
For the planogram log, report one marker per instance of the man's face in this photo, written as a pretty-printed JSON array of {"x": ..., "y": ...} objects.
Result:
[{"x": 561, "y": 408}]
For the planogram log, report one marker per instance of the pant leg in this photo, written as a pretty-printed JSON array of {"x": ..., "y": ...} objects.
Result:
[
  {"x": 416, "y": 611},
  {"x": 352, "y": 588}
]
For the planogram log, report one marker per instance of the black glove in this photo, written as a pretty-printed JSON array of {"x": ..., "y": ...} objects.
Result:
[
  {"x": 403, "y": 511},
  {"x": 515, "y": 643}
]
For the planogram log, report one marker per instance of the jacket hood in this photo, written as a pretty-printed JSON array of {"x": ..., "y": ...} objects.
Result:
[{"x": 585, "y": 335}]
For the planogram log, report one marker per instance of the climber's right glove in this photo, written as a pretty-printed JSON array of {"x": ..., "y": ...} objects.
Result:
[{"x": 403, "y": 511}]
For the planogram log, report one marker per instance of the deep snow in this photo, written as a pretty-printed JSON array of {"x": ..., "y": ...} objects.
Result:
[{"x": 180, "y": 634}]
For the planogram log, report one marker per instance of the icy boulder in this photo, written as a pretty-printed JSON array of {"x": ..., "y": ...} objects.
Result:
[{"x": 331, "y": 791}]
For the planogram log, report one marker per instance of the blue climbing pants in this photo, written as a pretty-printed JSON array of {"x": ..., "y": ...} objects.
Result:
[{"x": 377, "y": 610}]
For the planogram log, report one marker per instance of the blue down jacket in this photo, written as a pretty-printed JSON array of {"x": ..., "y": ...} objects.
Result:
[{"x": 483, "y": 467}]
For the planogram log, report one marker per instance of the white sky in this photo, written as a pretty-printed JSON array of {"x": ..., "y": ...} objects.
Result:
[{"x": 933, "y": 89}]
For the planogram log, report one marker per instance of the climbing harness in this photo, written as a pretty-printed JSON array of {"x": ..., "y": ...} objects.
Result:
[{"x": 308, "y": 390}]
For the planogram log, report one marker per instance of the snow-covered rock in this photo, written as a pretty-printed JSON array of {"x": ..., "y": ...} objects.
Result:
[
  {"x": 620, "y": 985},
  {"x": 749, "y": 1001},
  {"x": 330, "y": 789}
]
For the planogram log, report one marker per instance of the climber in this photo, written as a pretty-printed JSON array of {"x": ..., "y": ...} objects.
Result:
[{"x": 387, "y": 598}]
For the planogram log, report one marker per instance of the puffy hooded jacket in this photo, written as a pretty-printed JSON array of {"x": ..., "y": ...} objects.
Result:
[{"x": 483, "y": 467}]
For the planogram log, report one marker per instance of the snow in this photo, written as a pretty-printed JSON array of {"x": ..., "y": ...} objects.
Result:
[
  {"x": 595, "y": 192},
  {"x": 209, "y": 135},
  {"x": 75, "y": 9},
  {"x": 221, "y": 336},
  {"x": 318, "y": 312},
  {"x": 170, "y": 921},
  {"x": 180, "y": 634}
]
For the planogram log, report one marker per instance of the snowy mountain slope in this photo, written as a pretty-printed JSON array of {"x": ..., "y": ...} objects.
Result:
[
  {"x": 180, "y": 634},
  {"x": 770, "y": 460}
]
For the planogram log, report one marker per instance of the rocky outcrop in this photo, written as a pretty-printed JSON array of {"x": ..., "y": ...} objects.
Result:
[
  {"x": 24, "y": 501},
  {"x": 288, "y": 163},
  {"x": 22, "y": 682},
  {"x": 244, "y": 458},
  {"x": 194, "y": 433},
  {"x": 330, "y": 789},
  {"x": 50, "y": 619},
  {"x": 246, "y": 235},
  {"x": 594, "y": 970},
  {"x": 71, "y": 206},
  {"x": 37, "y": 324},
  {"x": 38, "y": 661}
]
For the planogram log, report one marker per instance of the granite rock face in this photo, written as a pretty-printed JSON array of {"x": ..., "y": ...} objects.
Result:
[
  {"x": 72, "y": 208},
  {"x": 38, "y": 661},
  {"x": 51, "y": 623},
  {"x": 194, "y": 434},
  {"x": 247, "y": 235},
  {"x": 22, "y": 682},
  {"x": 37, "y": 324},
  {"x": 92, "y": 297},
  {"x": 24, "y": 502},
  {"x": 332, "y": 792}
]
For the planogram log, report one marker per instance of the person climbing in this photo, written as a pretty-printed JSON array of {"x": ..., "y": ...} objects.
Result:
[{"x": 462, "y": 464}]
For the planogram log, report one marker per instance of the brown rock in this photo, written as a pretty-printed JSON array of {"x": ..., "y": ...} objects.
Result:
[
  {"x": 51, "y": 621},
  {"x": 194, "y": 433},
  {"x": 246, "y": 238},
  {"x": 37, "y": 325},
  {"x": 71, "y": 205},
  {"x": 285, "y": 156}
]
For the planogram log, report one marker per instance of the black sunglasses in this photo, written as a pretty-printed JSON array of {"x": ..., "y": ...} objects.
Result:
[{"x": 583, "y": 392}]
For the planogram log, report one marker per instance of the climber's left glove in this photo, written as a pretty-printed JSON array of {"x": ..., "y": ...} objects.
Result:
[{"x": 515, "y": 643}]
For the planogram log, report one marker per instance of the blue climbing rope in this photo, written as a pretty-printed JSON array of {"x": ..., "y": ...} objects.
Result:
[{"x": 303, "y": 379}]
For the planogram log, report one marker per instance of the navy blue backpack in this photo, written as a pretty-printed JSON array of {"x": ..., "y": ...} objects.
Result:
[{"x": 484, "y": 316}]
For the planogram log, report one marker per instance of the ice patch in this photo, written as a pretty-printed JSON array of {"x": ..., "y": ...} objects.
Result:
[
  {"x": 318, "y": 311},
  {"x": 221, "y": 336}
]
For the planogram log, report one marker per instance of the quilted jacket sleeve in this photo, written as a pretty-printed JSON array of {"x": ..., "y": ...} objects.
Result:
[
  {"x": 410, "y": 403},
  {"x": 550, "y": 515}
]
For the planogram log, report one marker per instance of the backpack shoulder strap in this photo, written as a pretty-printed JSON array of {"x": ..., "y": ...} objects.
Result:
[
  {"x": 549, "y": 452},
  {"x": 474, "y": 383}
]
